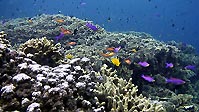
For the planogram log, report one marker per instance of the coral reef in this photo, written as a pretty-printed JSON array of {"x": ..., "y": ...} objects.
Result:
[
  {"x": 43, "y": 51},
  {"x": 46, "y": 78},
  {"x": 67, "y": 87},
  {"x": 20, "y": 30}
]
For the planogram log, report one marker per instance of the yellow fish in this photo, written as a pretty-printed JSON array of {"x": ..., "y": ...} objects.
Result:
[
  {"x": 134, "y": 50},
  {"x": 69, "y": 56},
  {"x": 115, "y": 61}
]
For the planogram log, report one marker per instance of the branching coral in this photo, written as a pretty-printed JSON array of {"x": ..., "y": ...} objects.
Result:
[{"x": 119, "y": 95}]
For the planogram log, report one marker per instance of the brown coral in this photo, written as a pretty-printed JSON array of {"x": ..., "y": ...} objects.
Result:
[{"x": 43, "y": 51}]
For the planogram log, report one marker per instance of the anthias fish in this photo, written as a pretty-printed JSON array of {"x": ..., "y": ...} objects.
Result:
[
  {"x": 143, "y": 64},
  {"x": 175, "y": 81},
  {"x": 65, "y": 31},
  {"x": 127, "y": 61},
  {"x": 60, "y": 36},
  {"x": 91, "y": 26},
  {"x": 71, "y": 43},
  {"x": 59, "y": 20},
  {"x": 147, "y": 78},
  {"x": 190, "y": 67},
  {"x": 110, "y": 48},
  {"x": 113, "y": 49},
  {"x": 116, "y": 49},
  {"x": 107, "y": 54},
  {"x": 169, "y": 65}
]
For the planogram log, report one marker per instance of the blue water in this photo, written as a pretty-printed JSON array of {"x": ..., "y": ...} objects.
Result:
[{"x": 164, "y": 19}]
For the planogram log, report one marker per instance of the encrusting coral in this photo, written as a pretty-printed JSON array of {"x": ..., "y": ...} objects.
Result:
[
  {"x": 119, "y": 95},
  {"x": 43, "y": 51}
]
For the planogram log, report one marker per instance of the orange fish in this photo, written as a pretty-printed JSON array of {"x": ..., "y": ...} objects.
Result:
[
  {"x": 107, "y": 55},
  {"x": 59, "y": 20},
  {"x": 71, "y": 43},
  {"x": 65, "y": 31},
  {"x": 110, "y": 48},
  {"x": 128, "y": 61}
]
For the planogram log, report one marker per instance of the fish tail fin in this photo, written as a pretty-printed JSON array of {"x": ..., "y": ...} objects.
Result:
[
  {"x": 102, "y": 54},
  {"x": 166, "y": 80}
]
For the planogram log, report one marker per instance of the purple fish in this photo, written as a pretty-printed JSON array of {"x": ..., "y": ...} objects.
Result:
[
  {"x": 190, "y": 67},
  {"x": 169, "y": 65},
  {"x": 91, "y": 26},
  {"x": 60, "y": 36},
  {"x": 82, "y": 3},
  {"x": 117, "y": 49},
  {"x": 147, "y": 78},
  {"x": 175, "y": 81},
  {"x": 144, "y": 64}
]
